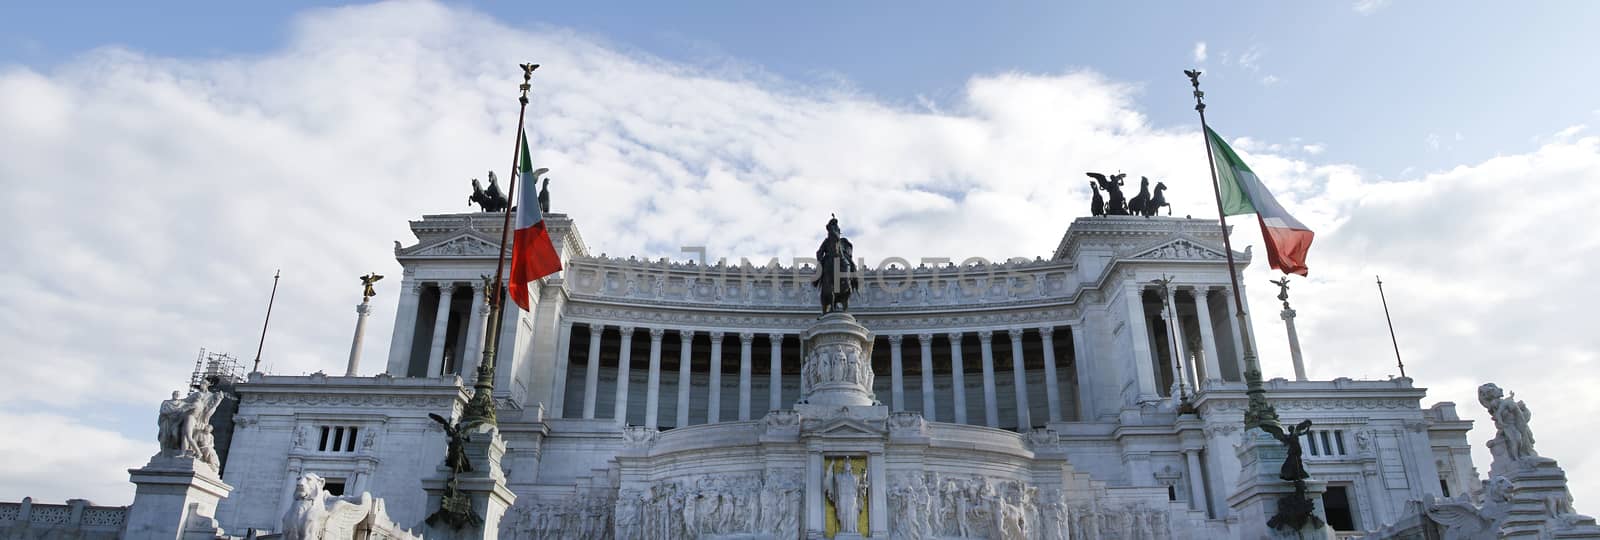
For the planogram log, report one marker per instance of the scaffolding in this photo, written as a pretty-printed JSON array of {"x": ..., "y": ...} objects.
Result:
[{"x": 217, "y": 366}]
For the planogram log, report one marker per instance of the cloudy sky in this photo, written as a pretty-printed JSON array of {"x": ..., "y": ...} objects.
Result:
[{"x": 156, "y": 168}]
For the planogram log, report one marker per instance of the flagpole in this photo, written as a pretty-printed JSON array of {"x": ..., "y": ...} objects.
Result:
[
  {"x": 480, "y": 409},
  {"x": 1392, "y": 339},
  {"x": 1258, "y": 412},
  {"x": 270, "y": 300}
]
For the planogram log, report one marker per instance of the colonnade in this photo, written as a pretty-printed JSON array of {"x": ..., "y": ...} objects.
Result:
[
  {"x": 464, "y": 359},
  {"x": 1183, "y": 328},
  {"x": 695, "y": 372}
]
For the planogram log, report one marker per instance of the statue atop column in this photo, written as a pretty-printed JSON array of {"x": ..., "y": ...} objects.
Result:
[
  {"x": 837, "y": 276},
  {"x": 366, "y": 284}
]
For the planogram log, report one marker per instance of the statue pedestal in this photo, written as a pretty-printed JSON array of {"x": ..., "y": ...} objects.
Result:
[
  {"x": 1255, "y": 500},
  {"x": 485, "y": 485},
  {"x": 838, "y": 366},
  {"x": 175, "y": 498},
  {"x": 1541, "y": 505}
]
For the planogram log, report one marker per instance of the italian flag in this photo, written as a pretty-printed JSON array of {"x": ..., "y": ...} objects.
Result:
[
  {"x": 1242, "y": 193},
  {"x": 533, "y": 256}
]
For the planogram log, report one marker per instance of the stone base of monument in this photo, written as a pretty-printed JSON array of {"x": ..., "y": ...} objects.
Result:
[
  {"x": 1260, "y": 492},
  {"x": 484, "y": 486},
  {"x": 1541, "y": 505},
  {"x": 174, "y": 498}
]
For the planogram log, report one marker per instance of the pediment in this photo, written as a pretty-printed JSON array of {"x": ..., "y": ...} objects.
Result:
[
  {"x": 847, "y": 428},
  {"x": 469, "y": 243},
  {"x": 1178, "y": 249}
]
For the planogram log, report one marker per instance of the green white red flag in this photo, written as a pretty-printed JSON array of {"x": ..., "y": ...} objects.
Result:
[
  {"x": 533, "y": 256},
  {"x": 1287, "y": 239}
]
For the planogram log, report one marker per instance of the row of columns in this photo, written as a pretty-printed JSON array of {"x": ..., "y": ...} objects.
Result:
[
  {"x": 591, "y": 381},
  {"x": 775, "y": 398},
  {"x": 405, "y": 339},
  {"x": 991, "y": 407},
  {"x": 1176, "y": 339}
]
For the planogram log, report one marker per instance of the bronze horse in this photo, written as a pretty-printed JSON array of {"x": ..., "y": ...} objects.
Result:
[{"x": 488, "y": 200}]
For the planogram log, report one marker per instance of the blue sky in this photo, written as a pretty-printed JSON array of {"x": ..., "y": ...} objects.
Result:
[
  {"x": 1401, "y": 133},
  {"x": 1491, "y": 76}
]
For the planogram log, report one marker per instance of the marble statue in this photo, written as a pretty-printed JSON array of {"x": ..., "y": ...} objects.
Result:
[
  {"x": 846, "y": 491},
  {"x": 1463, "y": 520},
  {"x": 317, "y": 515},
  {"x": 184, "y": 425},
  {"x": 837, "y": 276},
  {"x": 1510, "y": 422}
]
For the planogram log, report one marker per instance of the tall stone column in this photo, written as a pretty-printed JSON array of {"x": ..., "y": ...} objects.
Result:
[
  {"x": 1197, "y": 486},
  {"x": 1208, "y": 338},
  {"x": 745, "y": 340},
  {"x": 958, "y": 381},
  {"x": 991, "y": 407},
  {"x": 776, "y": 401},
  {"x": 1294, "y": 338},
  {"x": 929, "y": 407},
  {"x": 1233, "y": 325},
  {"x": 1184, "y": 369},
  {"x": 405, "y": 325},
  {"x": 591, "y": 376},
  {"x": 714, "y": 400},
  {"x": 441, "y": 325},
  {"x": 558, "y": 395},
  {"x": 1019, "y": 378},
  {"x": 1080, "y": 362},
  {"x": 624, "y": 361},
  {"x": 1143, "y": 359},
  {"x": 1052, "y": 384},
  {"x": 362, "y": 309},
  {"x": 685, "y": 356},
  {"x": 897, "y": 385},
  {"x": 1174, "y": 339},
  {"x": 652, "y": 397},
  {"x": 476, "y": 334}
]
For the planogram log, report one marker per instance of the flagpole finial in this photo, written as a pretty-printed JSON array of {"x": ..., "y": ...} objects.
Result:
[
  {"x": 527, "y": 78},
  {"x": 1194, "y": 80}
]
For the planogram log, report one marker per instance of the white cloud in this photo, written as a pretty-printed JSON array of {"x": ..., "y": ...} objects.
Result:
[
  {"x": 1314, "y": 149},
  {"x": 1368, "y": 7},
  {"x": 205, "y": 175},
  {"x": 1251, "y": 58},
  {"x": 1269, "y": 80},
  {"x": 1199, "y": 51}
]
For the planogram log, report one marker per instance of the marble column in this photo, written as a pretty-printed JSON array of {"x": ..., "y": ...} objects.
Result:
[
  {"x": 441, "y": 325},
  {"x": 815, "y": 520},
  {"x": 362, "y": 309},
  {"x": 1019, "y": 378},
  {"x": 685, "y": 363},
  {"x": 928, "y": 405},
  {"x": 1185, "y": 356},
  {"x": 745, "y": 339},
  {"x": 1080, "y": 362},
  {"x": 714, "y": 399},
  {"x": 1197, "y": 487},
  {"x": 1208, "y": 339},
  {"x": 624, "y": 365},
  {"x": 1143, "y": 358},
  {"x": 1294, "y": 341},
  {"x": 1174, "y": 338},
  {"x": 405, "y": 325},
  {"x": 897, "y": 385},
  {"x": 558, "y": 394},
  {"x": 991, "y": 409},
  {"x": 1052, "y": 383},
  {"x": 958, "y": 381},
  {"x": 776, "y": 401},
  {"x": 1233, "y": 325},
  {"x": 591, "y": 377},
  {"x": 476, "y": 334},
  {"x": 652, "y": 396},
  {"x": 877, "y": 499}
]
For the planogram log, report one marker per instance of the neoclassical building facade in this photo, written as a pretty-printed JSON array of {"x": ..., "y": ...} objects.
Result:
[{"x": 1092, "y": 392}]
